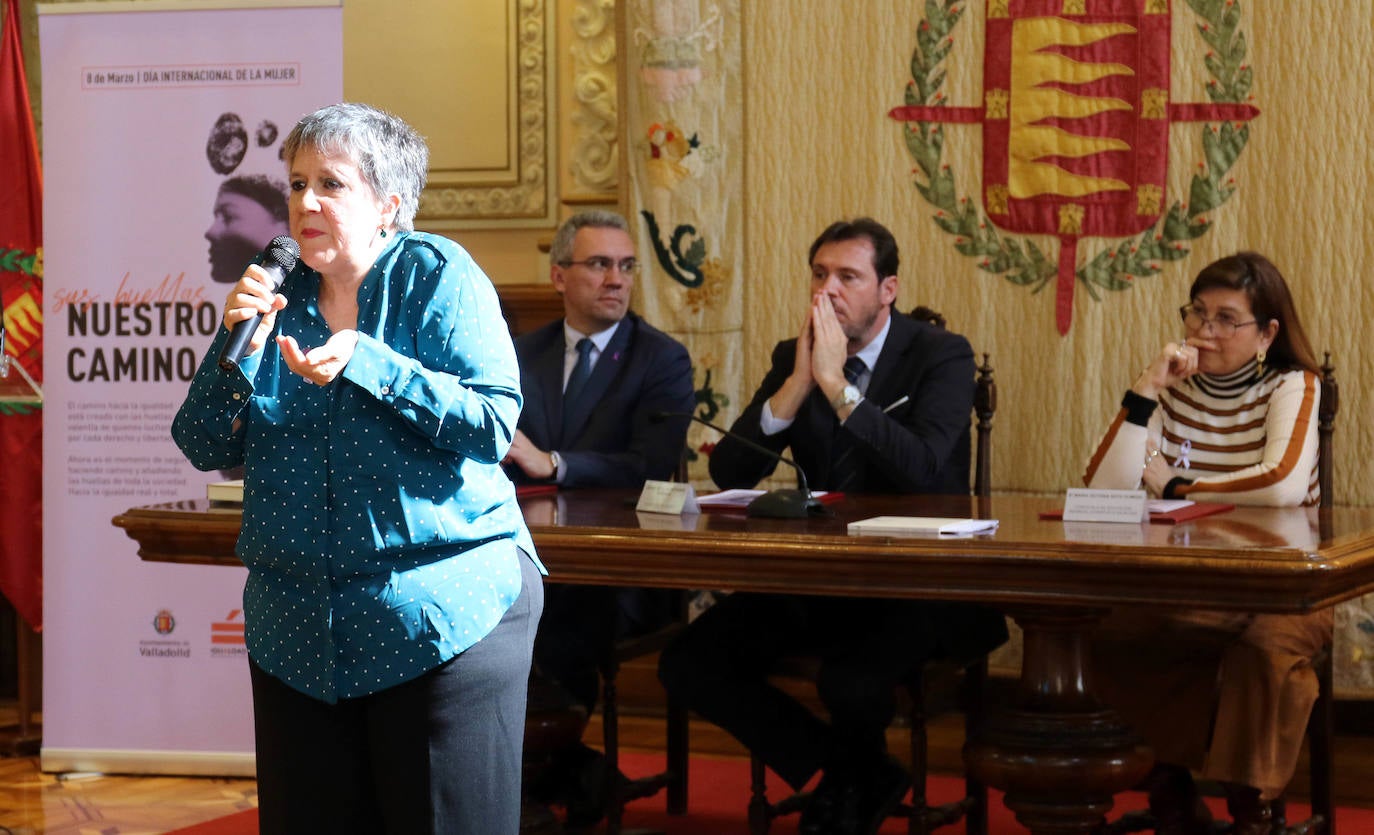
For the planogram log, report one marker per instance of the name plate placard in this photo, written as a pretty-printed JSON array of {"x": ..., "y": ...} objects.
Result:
[
  {"x": 667, "y": 497},
  {"x": 1082, "y": 505}
]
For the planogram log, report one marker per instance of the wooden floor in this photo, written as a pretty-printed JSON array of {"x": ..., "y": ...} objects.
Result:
[
  {"x": 82, "y": 804},
  {"x": 87, "y": 804}
]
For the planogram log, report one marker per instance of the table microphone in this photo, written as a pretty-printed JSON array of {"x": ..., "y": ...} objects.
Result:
[
  {"x": 278, "y": 259},
  {"x": 774, "y": 504}
]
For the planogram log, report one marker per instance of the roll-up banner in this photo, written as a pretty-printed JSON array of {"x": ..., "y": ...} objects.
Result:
[{"x": 162, "y": 126}]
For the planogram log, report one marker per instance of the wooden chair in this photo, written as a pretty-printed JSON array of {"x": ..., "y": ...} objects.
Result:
[
  {"x": 674, "y": 776},
  {"x": 936, "y": 688},
  {"x": 1321, "y": 725}
]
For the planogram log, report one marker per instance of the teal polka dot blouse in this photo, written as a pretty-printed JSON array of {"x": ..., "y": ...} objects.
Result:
[{"x": 379, "y": 530}]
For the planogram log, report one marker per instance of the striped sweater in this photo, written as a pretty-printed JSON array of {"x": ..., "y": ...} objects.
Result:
[{"x": 1235, "y": 438}]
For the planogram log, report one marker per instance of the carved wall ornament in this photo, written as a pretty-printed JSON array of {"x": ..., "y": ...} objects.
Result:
[
  {"x": 449, "y": 202},
  {"x": 594, "y": 161}
]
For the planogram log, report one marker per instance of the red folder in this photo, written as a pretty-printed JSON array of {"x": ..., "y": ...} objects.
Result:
[{"x": 1193, "y": 511}]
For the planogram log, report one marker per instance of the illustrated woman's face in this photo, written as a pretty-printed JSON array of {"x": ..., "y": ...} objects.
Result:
[{"x": 241, "y": 229}]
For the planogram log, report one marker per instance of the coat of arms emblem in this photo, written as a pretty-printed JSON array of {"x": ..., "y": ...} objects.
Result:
[{"x": 1075, "y": 117}]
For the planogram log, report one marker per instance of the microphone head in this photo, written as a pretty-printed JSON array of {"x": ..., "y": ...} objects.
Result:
[{"x": 283, "y": 251}]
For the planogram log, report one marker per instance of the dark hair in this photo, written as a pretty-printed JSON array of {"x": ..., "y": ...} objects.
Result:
[
  {"x": 271, "y": 194},
  {"x": 1270, "y": 300},
  {"x": 885, "y": 259}
]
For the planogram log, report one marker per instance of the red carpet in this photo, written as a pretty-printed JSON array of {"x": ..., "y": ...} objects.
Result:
[{"x": 718, "y": 793}]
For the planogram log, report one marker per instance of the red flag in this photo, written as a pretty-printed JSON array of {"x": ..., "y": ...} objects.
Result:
[{"x": 21, "y": 268}]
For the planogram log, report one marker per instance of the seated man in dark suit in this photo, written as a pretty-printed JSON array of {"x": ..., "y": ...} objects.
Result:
[
  {"x": 869, "y": 401},
  {"x": 592, "y": 382}
]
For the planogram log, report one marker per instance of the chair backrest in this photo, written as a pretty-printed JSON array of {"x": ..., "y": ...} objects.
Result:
[
  {"x": 921, "y": 313},
  {"x": 984, "y": 405},
  {"x": 1326, "y": 426}
]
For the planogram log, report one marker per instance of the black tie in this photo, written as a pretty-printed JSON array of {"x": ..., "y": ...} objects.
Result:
[
  {"x": 844, "y": 470},
  {"x": 577, "y": 380}
]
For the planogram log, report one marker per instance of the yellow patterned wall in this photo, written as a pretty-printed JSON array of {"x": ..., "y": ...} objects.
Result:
[{"x": 820, "y": 78}]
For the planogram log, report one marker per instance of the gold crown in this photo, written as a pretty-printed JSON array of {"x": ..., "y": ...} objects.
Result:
[
  {"x": 1071, "y": 219},
  {"x": 997, "y": 102},
  {"x": 997, "y": 199},
  {"x": 1154, "y": 103},
  {"x": 1147, "y": 199}
]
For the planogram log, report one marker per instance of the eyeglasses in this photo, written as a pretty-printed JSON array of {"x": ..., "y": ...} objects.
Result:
[
  {"x": 1223, "y": 327},
  {"x": 600, "y": 264}
]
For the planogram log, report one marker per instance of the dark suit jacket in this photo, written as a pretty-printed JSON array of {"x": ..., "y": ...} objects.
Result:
[
  {"x": 612, "y": 440},
  {"x": 921, "y": 446}
]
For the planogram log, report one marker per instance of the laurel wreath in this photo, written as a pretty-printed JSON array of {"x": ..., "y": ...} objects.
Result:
[
  {"x": 1020, "y": 260},
  {"x": 18, "y": 261}
]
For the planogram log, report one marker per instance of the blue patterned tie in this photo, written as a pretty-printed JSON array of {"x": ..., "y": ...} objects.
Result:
[{"x": 577, "y": 380}]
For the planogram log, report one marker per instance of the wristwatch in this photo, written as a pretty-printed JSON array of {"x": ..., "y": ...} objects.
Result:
[
  {"x": 850, "y": 396},
  {"x": 555, "y": 461}
]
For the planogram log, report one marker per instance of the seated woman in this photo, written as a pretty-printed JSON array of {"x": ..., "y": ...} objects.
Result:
[{"x": 1227, "y": 414}]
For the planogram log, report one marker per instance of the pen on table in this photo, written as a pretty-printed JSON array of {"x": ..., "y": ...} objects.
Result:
[{"x": 899, "y": 401}]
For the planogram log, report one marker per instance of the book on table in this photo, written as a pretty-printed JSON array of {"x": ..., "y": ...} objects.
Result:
[
  {"x": 921, "y": 526},
  {"x": 225, "y": 491}
]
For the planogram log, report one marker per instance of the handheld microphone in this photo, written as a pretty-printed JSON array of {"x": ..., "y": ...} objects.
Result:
[
  {"x": 774, "y": 504},
  {"x": 278, "y": 259}
]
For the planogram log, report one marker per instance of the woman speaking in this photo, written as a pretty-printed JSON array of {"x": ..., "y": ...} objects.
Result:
[{"x": 393, "y": 591}]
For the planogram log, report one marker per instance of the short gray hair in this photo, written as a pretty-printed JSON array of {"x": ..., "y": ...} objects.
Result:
[
  {"x": 561, "y": 250},
  {"x": 391, "y": 157}
]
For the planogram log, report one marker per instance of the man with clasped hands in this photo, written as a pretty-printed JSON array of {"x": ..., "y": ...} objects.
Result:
[{"x": 869, "y": 401}]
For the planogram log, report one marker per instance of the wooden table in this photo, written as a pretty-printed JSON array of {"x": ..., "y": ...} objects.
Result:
[{"x": 1057, "y": 752}]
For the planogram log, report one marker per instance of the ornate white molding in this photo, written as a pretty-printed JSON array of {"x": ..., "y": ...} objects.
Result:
[
  {"x": 450, "y": 203},
  {"x": 594, "y": 163}
]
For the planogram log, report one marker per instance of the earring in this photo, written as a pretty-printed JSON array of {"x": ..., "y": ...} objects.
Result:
[
  {"x": 382, "y": 232},
  {"x": 1259, "y": 359}
]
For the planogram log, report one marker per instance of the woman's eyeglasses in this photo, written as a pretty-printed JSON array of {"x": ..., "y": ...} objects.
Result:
[
  {"x": 1223, "y": 326},
  {"x": 600, "y": 264}
]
